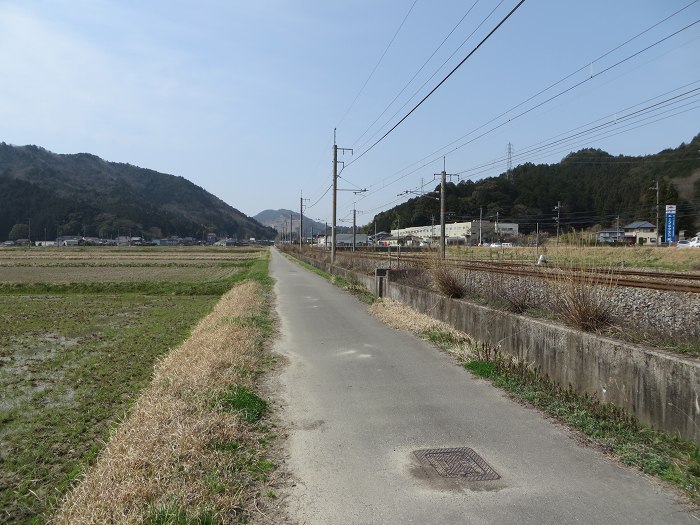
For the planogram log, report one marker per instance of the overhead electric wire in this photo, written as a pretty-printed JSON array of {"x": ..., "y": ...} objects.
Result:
[
  {"x": 537, "y": 147},
  {"x": 321, "y": 197},
  {"x": 543, "y": 146},
  {"x": 419, "y": 70},
  {"x": 427, "y": 81},
  {"x": 440, "y": 83},
  {"x": 437, "y": 154},
  {"x": 385, "y": 183},
  {"x": 436, "y": 157},
  {"x": 352, "y": 104}
]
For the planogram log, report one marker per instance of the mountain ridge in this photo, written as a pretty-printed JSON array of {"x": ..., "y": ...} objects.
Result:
[
  {"x": 586, "y": 189},
  {"x": 73, "y": 194}
]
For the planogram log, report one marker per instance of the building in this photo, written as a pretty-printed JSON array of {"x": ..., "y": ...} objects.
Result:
[
  {"x": 343, "y": 240},
  {"x": 469, "y": 231},
  {"x": 640, "y": 232},
  {"x": 611, "y": 236}
]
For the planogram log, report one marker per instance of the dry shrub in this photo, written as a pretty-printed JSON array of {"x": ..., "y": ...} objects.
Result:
[
  {"x": 446, "y": 279},
  {"x": 584, "y": 297},
  {"x": 517, "y": 293},
  {"x": 165, "y": 453}
]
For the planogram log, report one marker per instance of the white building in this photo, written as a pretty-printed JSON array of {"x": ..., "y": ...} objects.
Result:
[{"x": 468, "y": 230}]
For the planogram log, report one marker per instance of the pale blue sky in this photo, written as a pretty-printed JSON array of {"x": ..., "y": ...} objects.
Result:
[{"x": 241, "y": 98}]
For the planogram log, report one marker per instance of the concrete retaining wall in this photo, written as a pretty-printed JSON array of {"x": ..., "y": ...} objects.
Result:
[{"x": 659, "y": 388}]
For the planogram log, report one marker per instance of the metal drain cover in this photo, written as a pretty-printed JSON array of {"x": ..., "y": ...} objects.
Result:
[{"x": 461, "y": 463}]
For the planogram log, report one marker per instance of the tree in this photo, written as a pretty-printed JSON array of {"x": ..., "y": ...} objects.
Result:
[{"x": 19, "y": 231}]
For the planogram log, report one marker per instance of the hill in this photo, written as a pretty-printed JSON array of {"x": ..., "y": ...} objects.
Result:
[
  {"x": 592, "y": 187},
  {"x": 82, "y": 194},
  {"x": 279, "y": 220}
]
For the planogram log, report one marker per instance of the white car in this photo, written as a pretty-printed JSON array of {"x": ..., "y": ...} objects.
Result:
[{"x": 692, "y": 243}]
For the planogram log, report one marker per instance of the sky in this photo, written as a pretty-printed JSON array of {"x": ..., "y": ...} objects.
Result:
[{"x": 243, "y": 97}]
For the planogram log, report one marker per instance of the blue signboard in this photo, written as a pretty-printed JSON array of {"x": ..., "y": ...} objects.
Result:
[{"x": 670, "y": 223}]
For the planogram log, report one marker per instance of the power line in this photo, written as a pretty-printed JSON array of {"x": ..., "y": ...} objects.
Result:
[
  {"x": 421, "y": 69},
  {"x": 321, "y": 197},
  {"x": 377, "y": 64},
  {"x": 417, "y": 91},
  {"x": 441, "y": 82},
  {"x": 437, "y": 154}
]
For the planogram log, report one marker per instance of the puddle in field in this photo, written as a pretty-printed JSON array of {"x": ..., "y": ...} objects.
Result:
[{"x": 23, "y": 371}]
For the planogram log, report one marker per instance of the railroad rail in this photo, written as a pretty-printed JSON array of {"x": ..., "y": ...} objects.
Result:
[{"x": 615, "y": 276}]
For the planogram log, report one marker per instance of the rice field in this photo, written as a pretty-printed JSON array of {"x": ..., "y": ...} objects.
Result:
[{"x": 80, "y": 332}]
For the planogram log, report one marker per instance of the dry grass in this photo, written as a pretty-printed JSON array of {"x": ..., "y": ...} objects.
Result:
[
  {"x": 401, "y": 317},
  {"x": 447, "y": 280},
  {"x": 582, "y": 300},
  {"x": 167, "y": 453},
  {"x": 600, "y": 256}
]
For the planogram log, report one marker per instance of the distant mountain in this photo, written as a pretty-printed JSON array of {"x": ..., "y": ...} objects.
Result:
[
  {"x": 279, "y": 220},
  {"x": 82, "y": 194},
  {"x": 590, "y": 187}
]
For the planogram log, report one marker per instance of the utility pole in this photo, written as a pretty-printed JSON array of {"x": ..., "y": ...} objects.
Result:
[
  {"x": 301, "y": 219},
  {"x": 325, "y": 236},
  {"x": 291, "y": 228},
  {"x": 443, "y": 178},
  {"x": 558, "y": 210},
  {"x": 656, "y": 187},
  {"x": 498, "y": 233},
  {"x": 481, "y": 215},
  {"x": 335, "y": 192},
  {"x": 354, "y": 222}
]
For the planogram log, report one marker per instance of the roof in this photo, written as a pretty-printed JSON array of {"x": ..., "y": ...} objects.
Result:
[{"x": 639, "y": 224}]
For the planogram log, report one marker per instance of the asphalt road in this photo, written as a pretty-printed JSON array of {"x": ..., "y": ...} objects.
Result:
[{"x": 359, "y": 398}]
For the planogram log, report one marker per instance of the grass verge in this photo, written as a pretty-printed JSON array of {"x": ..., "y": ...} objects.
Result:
[
  {"x": 352, "y": 286},
  {"x": 657, "y": 453}
]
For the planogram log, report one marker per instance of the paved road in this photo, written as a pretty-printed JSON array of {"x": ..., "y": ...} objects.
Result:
[{"x": 361, "y": 398}]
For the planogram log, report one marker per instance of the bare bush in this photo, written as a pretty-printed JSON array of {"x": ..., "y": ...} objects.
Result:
[
  {"x": 517, "y": 293},
  {"x": 447, "y": 280},
  {"x": 584, "y": 298}
]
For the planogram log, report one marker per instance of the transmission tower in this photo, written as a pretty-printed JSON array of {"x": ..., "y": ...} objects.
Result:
[{"x": 509, "y": 153}]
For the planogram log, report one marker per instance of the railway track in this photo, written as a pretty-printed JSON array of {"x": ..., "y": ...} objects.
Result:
[{"x": 633, "y": 278}]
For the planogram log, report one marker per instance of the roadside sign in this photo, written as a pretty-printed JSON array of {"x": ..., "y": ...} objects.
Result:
[{"x": 670, "y": 223}]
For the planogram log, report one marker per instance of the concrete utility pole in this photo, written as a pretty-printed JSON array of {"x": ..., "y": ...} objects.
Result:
[
  {"x": 558, "y": 210},
  {"x": 301, "y": 219},
  {"x": 335, "y": 192},
  {"x": 496, "y": 231},
  {"x": 656, "y": 187},
  {"x": 443, "y": 179},
  {"x": 354, "y": 223},
  {"x": 481, "y": 215}
]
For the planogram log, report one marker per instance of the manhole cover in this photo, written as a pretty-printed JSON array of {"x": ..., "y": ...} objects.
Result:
[{"x": 461, "y": 463}]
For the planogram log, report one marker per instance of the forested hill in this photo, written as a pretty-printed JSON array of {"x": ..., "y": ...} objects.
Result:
[
  {"x": 82, "y": 194},
  {"x": 593, "y": 187}
]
